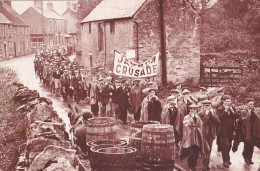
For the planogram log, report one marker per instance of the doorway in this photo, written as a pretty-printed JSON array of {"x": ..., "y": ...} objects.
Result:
[
  {"x": 5, "y": 52},
  {"x": 14, "y": 49}
]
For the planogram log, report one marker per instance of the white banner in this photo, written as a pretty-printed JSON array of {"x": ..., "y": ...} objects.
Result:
[{"x": 128, "y": 68}]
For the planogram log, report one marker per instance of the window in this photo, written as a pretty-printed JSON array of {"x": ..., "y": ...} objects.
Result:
[
  {"x": 89, "y": 27},
  {"x": 18, "y": 30},
  {"x": 1, "y": 47},
  {"x": 55, "y": 26},
  {"x": 90, "y": 60},
  {"x": 4, "y": 30},
  {"x": 40, "y": 44},
  {"x": 112, "y": 27},
  {"x": 33, "y": 44},
  {"x": 9, "y": 30},
  {"x": 11, "y": 49},
  {"x": 19, "y": 47},
  {"x": 14, "y": 28},
  {"x": 27, "y": 45},
  {"x": 100, "y": 37},
  {"x": 1, "y": 31},
  {"x": 50, "y": 26}
]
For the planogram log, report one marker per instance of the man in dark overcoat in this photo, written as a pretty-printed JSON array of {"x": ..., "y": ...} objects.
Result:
[
  {"x": 227, "y": 116},
  {"x": 210, "y": 122}
]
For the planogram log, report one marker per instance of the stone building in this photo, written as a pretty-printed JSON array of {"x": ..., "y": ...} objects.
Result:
[
  {"x": 14, "y": 33},
  {"x": 47, "y": 26},
  {"x": 72, "y": 23},
  {"x": 145, "y": 27}
]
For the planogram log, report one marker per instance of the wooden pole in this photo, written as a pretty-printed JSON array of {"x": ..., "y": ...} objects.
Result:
[
  {"x": 43, "y": 34},
  {"x": 163, "y": 43}
]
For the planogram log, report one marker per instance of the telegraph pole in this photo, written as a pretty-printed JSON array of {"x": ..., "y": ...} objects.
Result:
[
  {"x": 43, "y": 32},
  {"x": 163, "y": 43}
]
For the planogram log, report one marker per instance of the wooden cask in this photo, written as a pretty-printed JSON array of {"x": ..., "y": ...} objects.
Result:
[
  {"x": 136, "y": 129},
  {"x": 107, "y": 158},
  {"x": 100, "y": 128},
  {"x": 157, "y": 147}
]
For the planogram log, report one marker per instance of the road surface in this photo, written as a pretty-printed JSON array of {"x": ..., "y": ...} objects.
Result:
[{"x": 25, "y": 71}]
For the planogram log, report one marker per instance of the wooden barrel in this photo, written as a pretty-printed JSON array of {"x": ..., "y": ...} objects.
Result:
[
  {"x": 113, "y": 143},
  {"x": 157, "y": 147},
  {"x": 107, "y": 158},
  {"x": 101, "y": 128},
  {"x": 136, "y": 136}
]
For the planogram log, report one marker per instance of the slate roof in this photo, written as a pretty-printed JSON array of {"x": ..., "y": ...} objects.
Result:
[
  {"x": 4, "y": 20},
  {"x": 114, "y": 9},
  {"x": 12, "y": 15},
  {"x": 49, "y": 13}
]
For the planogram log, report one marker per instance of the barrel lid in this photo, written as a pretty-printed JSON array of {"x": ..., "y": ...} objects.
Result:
[
  {"x": 112, "y": 142},
  {"x": 106, "y": 150},
  {"x": 140, "y": 124},
  {"x": 158, "y": 128},
  {"x": 101, "y": 121}
]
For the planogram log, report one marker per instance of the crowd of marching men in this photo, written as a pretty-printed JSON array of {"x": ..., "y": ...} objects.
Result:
[{"x": 196, "y": 119}]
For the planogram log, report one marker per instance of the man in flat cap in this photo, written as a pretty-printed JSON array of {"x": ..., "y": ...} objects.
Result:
[
  {"x": 227, "y": 116},
  {"x": 184, "y": 102},
  {"x": 201, "y": 96},
  {"x": 193, "y": 137},
  {"x": 151, "y": 108},
  {"x": 75, "y": 86},
  {"x": 136, "y": 98},
  {"x": 178, "y": 86},
  {"x": 80, "y": 130},
  {"x": 65, "y": 84},
  {"x": 121, "y": 100},
  {"x": 249, "y": 122},
  {"x": 211, "y": 121},
  {"x": 171, "y": 115}
]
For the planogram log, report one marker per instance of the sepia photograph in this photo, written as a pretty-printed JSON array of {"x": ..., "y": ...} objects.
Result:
[{"x": 130, "y": 85}]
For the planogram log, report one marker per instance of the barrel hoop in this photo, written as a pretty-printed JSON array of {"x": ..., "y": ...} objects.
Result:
[
  {"x": 101, "y": 134},
  {"x": 157, "y": 133},
  {"x": 101, "y": 125}
]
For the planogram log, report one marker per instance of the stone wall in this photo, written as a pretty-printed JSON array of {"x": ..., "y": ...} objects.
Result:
[
  {"x": 149, "y": 34},
  {"x": 47, "y": 146},
  {"x": 182, "y": 26}
]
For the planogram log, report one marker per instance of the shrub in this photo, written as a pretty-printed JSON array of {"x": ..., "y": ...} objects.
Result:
[{"x": 12, "y": 124}]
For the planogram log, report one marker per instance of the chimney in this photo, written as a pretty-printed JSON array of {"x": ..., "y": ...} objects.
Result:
[
  {"x": 9, "y": 2},
  {"x": 74, "y": 6},
  {"x": 68, "y": 5},
  {"x": 38, "y": 3},
  {"x": 50, "y": 5}
]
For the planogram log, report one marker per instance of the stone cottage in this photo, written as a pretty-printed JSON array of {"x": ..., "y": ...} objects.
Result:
[
  {"x": 47, "y": 26},
  {"x": 142, "y": 28},
  {"x": 14, "y": 33}
]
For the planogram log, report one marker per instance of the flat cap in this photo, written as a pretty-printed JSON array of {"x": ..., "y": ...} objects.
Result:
[
  {"x": 250, "y": 100},
  {"x": 171, "y": 98},
  {"x": 174, "y": 91},
  {"x": 194, "y": 106},
  {"x": 178, "y": 83},
  {"x": 225, "y": 97},
  {"x": 206, "y": 102},
  {"x": 186, "y": 91},
  {"x": 203, "y": 88}
]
